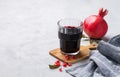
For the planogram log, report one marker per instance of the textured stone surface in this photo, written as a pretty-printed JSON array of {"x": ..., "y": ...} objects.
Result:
[{"x": 28, "y": 30}]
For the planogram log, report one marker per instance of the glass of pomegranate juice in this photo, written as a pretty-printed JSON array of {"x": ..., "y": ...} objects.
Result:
[{"x": 70, "y": 33}]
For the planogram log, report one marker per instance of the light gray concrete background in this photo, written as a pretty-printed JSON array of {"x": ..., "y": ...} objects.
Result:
[{"x": 28, "y": 31}]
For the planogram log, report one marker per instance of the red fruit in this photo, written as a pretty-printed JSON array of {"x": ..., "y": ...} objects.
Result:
[
  {"x": 74, "y": 57},
  {"x": 57, "y": 63},
  {"x": 64, "y": 64},
  {"x": 67, "y": 57},
  {"x": 95, "y": 26},
  {"x": 69, "y": 64},
  {"x": 60, "y": 69}
]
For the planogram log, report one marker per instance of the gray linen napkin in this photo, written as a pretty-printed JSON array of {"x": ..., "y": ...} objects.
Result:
[{"x": 104, "y": 62}]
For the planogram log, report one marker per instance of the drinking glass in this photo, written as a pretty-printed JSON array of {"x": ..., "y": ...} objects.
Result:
[{"x": 70, "y": 33}]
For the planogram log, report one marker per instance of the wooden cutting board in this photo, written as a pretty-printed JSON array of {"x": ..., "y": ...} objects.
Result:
[{"x": 84, "y": 53}]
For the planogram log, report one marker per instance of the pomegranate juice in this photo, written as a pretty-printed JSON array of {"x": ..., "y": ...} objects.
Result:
[{"x": 70, "y": 39}]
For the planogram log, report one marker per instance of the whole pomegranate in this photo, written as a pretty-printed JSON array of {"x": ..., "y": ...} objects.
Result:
[{"x": 95, "y": 26}]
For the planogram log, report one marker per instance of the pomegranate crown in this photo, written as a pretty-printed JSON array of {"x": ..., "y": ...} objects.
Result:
[{"x": 103, "y": 12}]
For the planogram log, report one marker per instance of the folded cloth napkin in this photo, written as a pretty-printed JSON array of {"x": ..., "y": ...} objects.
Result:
[{"x": 103, "y": 62}]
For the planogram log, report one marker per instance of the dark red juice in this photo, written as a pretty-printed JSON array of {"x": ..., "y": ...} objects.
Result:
[{"x": 70, "y": 39}]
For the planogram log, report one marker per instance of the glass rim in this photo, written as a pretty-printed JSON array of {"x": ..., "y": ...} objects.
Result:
[{"x": 77, "y": 21}]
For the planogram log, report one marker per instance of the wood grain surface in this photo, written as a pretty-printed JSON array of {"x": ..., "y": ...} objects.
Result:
[{"x": 84, "y": 53}]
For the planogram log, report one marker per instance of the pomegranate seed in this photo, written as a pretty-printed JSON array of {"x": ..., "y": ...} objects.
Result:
[
  {"x": 67, "y": 57},
  {"x": 60, "y": 69},
  {"x": 64, "y": 64},
  {"x": 74, "y": 57},
  {"x": 57, "y": 63},
  {"x": 69, "y": 64},
  {"x": 69, "y": 27}
]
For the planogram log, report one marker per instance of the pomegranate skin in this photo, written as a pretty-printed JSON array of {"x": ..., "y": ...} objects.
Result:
[{"x": 95, "y": 26}]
